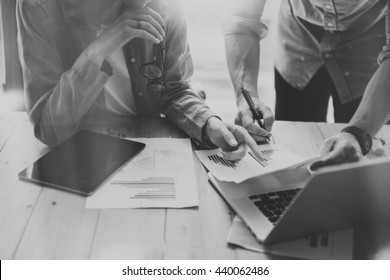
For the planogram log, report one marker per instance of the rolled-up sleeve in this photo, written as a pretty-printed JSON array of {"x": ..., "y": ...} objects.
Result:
[
  {"x": 180, "y": 103},
  {"x": 244, "y": 17}
]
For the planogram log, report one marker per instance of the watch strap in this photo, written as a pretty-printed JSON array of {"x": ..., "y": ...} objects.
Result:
[{"x": 361, "y": 135}]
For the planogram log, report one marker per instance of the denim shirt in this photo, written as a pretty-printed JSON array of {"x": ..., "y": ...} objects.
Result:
[
  {"x": 346, "y": 36},
  {"x": 63, "y": 87}
]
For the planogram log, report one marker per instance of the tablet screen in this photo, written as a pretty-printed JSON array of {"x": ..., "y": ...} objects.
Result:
[{"x": 82, "y": 163}]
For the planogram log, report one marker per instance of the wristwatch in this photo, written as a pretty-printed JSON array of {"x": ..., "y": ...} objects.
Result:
[{"x": 364, "y": 138}]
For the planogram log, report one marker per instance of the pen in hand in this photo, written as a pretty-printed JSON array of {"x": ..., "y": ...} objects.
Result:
[{"x": 256, "y": 114}]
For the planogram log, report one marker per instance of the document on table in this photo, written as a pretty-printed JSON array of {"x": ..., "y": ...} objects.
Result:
[
  {"x": 276, "y": 157},
  {"x": 335, "y": 245},
  {"x": 161, "y": 176}
]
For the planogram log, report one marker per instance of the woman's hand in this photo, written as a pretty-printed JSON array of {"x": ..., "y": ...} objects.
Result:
[{"x": 132, "y": 23}]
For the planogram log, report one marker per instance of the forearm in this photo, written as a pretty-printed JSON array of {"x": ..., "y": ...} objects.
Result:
[
  {"x": 374, "y": 109},
  {"x": 186, "y": 110},
  {"x": 57, "y": 114},
  {"x": 242, "y": 55},
  {"x": 243, "y": 29}
]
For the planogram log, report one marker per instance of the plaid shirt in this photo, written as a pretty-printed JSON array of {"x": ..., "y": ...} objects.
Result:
[{"x": 63, "y": 87}]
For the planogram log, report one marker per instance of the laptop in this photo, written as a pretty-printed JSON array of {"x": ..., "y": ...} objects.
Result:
[
  {"x": 82, "y": 163},
  {"x": 295, "y": 203}
]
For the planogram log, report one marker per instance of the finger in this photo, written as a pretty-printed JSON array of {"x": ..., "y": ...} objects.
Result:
[
  {"x": 327, "y": 146},
  {"x": 340, "y": 154},
  {"x": 246, "y": 119},
  {"x": 243, "y": 136},
  {"x": 269, "y": 119},
  {"x": 157, "y": 17},
  {"x": 253, "y": 128},
  {"x": 328, "y": 161},
  {"x": 156, "y": 25},
  {"x": 229, "y": 138},
  {"x": 148, "y": 14},
  {"x": 146, "y": 35},
  {"x": 237, "y": 120},
  {"x": 235, "y": 155},
  {"x": 147, "y": 26}
]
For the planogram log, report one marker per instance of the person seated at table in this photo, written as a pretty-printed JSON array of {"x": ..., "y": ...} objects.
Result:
[
  {"x": 355, "y": 140},
  {"x": 86, "y": 58}
]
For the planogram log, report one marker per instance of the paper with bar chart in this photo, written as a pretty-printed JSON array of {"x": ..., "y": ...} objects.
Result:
[
  {"x": 161, "y": 176},
  {"x": 275, "y": 157}
]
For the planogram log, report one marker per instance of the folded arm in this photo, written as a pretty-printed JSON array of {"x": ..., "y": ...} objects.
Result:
[
  {"x": 57, "y": 96},
  {"x": 61, "y": 84}
]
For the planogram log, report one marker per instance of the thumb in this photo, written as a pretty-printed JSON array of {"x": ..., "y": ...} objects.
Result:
[{"x": 246, "y": 120}]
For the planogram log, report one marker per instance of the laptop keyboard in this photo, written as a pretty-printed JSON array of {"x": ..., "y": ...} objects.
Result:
[{"x": 273, "y": 204}]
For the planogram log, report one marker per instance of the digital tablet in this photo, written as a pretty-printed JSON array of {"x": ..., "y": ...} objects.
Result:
[{"x": 82, "y": 163}]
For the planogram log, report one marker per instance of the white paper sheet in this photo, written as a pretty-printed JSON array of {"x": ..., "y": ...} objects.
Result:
[
  {"x": 276, "y": 157},
  {"x": 336, "y": 245},
  {"x": 161, "y": 176}
]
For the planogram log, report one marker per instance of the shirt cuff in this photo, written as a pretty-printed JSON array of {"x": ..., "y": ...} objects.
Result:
[
  {"x": 197, "y": 129},
  {"x": 244, "y": 25}
]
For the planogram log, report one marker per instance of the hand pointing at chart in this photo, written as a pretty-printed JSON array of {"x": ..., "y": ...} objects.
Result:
[{"x": 229, "y": 137}]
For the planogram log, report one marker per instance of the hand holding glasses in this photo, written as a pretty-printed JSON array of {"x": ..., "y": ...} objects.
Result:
[{"x": 154, "y": 70}]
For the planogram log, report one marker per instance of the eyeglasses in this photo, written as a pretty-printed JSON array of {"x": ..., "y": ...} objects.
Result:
[{"x": 154, "y": 71}]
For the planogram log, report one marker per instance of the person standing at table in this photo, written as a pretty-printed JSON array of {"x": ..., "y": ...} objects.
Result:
[
  {"x": 355, "y": 140},
  {"x": 323, "y": 48},
  {"x": 84, "y": 58}
]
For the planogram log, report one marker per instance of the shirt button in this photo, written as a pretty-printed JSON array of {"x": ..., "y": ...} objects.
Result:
[
  {"x": 140, "y": 94},
  {"x": 132, "y": 60},
  {"x": 328, "y": 7},
  {"x": 329, "y": 24}
]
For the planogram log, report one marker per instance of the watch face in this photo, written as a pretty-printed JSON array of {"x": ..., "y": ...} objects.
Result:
[{"x": 367, "y": 141}]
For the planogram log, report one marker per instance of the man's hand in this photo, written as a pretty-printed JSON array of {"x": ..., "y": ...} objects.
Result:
[
  {"x": 245, "y": 119},
  {"x": 132, "y": 23},
  {"x": 342, "y": 148},
  {"x": 228, "y": 137}
]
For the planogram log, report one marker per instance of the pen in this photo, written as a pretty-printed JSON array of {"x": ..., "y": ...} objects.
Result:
[{"x": 256, "y": 115}]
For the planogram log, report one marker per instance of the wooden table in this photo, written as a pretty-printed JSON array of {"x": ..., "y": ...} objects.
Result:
[{"x": 43, "y": 223}]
